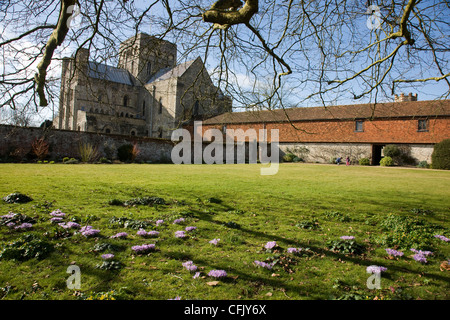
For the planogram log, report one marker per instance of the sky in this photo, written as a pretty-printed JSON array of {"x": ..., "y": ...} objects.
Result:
[{"x": 429, "y": 91}]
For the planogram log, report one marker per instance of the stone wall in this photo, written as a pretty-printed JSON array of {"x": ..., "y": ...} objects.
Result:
[
  {"x": 16, "y": 144},
  {"x": 325, "y": 152}
]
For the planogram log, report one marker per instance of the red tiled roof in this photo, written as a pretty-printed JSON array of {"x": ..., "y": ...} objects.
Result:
[{"x": 409, "y": 109}]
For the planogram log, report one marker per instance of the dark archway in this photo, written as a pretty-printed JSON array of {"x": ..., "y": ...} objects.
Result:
[{"x": 376, "y": 154}]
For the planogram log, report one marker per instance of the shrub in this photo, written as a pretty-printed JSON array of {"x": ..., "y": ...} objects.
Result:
[
  {"x": 309, "y": 225},
  {"x": 392, "y": 150},
  {"x": 364, "y": 162},
  {"x": 288, "y": 157},
  {"x": 108, "y": 149},
  {"x": 125, "y": 152},
  {"x": 26, "y": 247},
  {"x": 65, "y": 159},
  {"x": 345, "y": 246},
  {"x": 16, "y": 219},
  {"x": 387, "y": 162},
  {"x": 109, "y": 265},
  {"x": 71, "y": 161},
  {"x": 440, "y": 158},
  {"x": 17, "y": 198},
  {"x": 105, "y": 160},
  {"x": 88, "y": 152},
  {"x": 135, "y": 152},
  {"x": 145, "y": 201},
  {"x": 40, "y": 148},
  {"x": 423, "y": 164},
  {"x": 407, "y": 232},
  {"x": 335, "y": 215}
]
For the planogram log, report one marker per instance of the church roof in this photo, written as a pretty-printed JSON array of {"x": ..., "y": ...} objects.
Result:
[
  {"x": 169, "y": 73},
  {"x": 109, "y": 73}
]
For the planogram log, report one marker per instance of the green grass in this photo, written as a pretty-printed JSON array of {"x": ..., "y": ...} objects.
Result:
[{"x": 251, "y": 210}]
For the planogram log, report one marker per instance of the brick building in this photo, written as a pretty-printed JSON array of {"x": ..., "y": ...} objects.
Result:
[{"x": 319, "y": 134}]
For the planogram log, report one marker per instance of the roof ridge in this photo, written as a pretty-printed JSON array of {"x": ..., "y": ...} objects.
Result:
[{"x": 336, "y": 112}]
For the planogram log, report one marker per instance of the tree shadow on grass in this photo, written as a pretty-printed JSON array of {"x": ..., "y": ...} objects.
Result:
[{"x": 322, "y": 251}]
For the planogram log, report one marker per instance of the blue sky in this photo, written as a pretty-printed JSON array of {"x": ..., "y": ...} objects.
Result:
[{"x": 429, "y": 91}]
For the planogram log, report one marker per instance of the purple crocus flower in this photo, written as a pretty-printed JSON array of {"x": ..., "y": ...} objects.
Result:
[
  {"x": 143, "y": 248},
  {"x": 24, "y": 225},
  {"x": 57, "y": 213},
  {"x": 420, "y": 258},
  {"x": 376, "y": 269},
  {"x": 189, "y": 229},
  {"x": 69, "y": 225},
  {"x": 178, "y": 221},
  {"x": 88, "y": 231},
  {"x": 107, "y": 256},
  {"x": 159, "y": 222},
  {"x": 119, "y": 235},
  {"x": 442, "y": 238},
  {"x": 180, "y": 234},
  {"x": 264, "y": 264},
  {"x": 294, "y": 250},
  {"x": 394, "y": 253},
  {"x": 9, "y": 215},
  {"x": 217, "y": 273},
  {"x": 56, "y": 219},
  {"x": 270, "y": 245},
  {"x": 347, "y": 237},
  {"x": 144, "y": 233},
  {"x": 189, "y": 265},
  {"x": 196, "y": 275},
  {"x": 423, "y": 253},
  {"x": 214, "y": 241}
]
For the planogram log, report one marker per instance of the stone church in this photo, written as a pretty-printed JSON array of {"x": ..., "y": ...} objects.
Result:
[{"x": 147, "y": 94}]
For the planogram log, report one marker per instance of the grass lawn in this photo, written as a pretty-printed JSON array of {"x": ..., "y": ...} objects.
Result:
[{"x": 303, "y": 206}]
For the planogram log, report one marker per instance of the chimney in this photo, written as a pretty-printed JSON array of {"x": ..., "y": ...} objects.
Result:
[
  {"x": 404, "y": 98},
  {"x": 82, "y": 56}
]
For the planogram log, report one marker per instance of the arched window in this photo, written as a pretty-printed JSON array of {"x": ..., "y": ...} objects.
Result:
[
  {"x": 160, "y": 106},
  {"x": 121, "y": 114},
  {"x": 149, "y": 68},
  {"x": 160, "y": 132},
  {"x": 133, "y": 133},
  {"x": 107, "y": 130},
  {"x": 126, "y": 115},
  {"x": 125, "y": 101},
  {"x": 143, "y": 108}
]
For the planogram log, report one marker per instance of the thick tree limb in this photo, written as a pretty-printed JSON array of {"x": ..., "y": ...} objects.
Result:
[
  {"x": 224, "y": 13},
  {"x": 56, "y": 38}
]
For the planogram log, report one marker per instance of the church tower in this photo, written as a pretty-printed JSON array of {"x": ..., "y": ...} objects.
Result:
[{"x": 144, "y": 55}]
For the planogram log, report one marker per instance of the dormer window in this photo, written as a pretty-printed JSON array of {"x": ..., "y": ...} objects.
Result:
[
  {"x": 359, "y": 126},
  {"x": 422, "y": 126}
]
